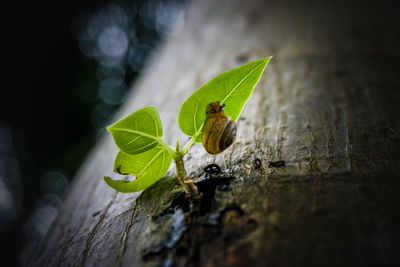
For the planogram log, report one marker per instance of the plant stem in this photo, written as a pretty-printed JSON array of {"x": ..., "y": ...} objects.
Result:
[
  {"x": 192, "y": 140},
  {"x": 188, "y": 145},
  {"x": 169, "y": 149},
  {"x": 190, "y": 188}
]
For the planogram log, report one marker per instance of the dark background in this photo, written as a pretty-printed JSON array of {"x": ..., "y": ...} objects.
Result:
[{"x": 60, "y": 86}]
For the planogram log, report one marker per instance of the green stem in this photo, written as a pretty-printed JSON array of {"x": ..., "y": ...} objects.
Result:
[
  {"x": 192, "y": 140},
  {"x": 188, "y": 145},
  {"x": 169, "y": 149},
  {"x": 191, "y": 190}
]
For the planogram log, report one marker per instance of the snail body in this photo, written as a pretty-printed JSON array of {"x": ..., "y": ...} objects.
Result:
[{"x": 219, "y": 130}]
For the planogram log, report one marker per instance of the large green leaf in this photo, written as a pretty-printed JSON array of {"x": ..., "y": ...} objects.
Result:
[
  {"x": 148, "y": 167},
  {"x": 231, "y": 88},
  {"x": 138, "y": 132}
]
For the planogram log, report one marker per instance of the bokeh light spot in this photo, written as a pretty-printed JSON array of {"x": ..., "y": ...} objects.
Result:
[
  {"x": 54, "y": 182},
  {"x": 113, "y": 42}
]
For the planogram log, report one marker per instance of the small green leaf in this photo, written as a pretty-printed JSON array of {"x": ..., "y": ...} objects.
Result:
[
  {"x": 138, "y": 132},
  {"x": 148, "y": 167},
  {"x": 231, "y": 88}
]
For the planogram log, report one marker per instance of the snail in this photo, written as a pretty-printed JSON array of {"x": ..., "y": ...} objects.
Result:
[{"x": 219, "y": 130}]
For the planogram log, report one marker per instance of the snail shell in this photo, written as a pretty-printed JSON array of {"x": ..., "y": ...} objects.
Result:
[{"x": 219, "y": 131}]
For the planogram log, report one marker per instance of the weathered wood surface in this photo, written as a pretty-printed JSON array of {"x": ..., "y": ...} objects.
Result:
[{"x": 327, "y": 105}]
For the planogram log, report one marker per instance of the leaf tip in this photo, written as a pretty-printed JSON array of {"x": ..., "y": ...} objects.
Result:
[
  {"x": 265, "y": 62},
  {"x": 110, "y": 127},
  {"x": 111, "y": 183},
  {"x": 267, "y": 59},
  {"x": 107, "y": 179},
  {"x": 152, "y": 107}
]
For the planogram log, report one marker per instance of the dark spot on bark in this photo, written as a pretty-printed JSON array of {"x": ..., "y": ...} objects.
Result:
[
  {"x": 278, "y": 163},
  {"x": 257, "y": 163},
  {"x": 96, "y": 213}
]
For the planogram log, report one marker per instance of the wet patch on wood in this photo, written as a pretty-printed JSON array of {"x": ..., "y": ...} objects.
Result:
[{"x": 192, "y": 229}]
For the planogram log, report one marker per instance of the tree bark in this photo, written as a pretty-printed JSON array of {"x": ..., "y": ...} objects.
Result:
[{"x": 327, "y": 106}]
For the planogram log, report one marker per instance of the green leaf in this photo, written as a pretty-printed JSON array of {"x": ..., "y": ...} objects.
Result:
[
  {"x": 231, "y": 88},
  {"x": 148, "y": 167},
  {"x": 138, "y": 132}
]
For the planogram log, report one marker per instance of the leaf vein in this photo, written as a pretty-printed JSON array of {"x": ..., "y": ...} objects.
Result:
[
  {"x": 134, "y": 139},
  {"x": 149, "y": 144},
  {"x": 155, "y": 123},
  {"x": 240, "y": 82},
  {"x": 162, "y": 165},
  {"x": 149, "y": 163},
  {"x": 195, "y": 115},
  {"x": 135, "y": 132}
]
